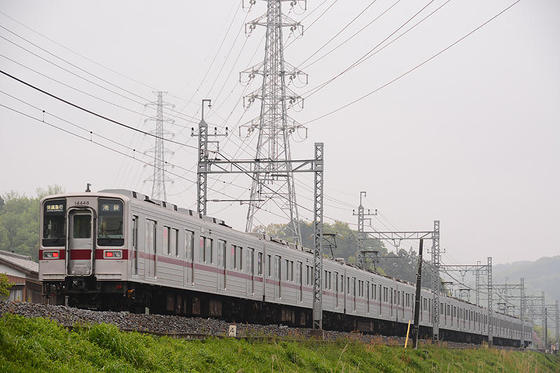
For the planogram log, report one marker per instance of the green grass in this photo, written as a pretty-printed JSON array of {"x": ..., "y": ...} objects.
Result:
[{"x": 40, "y": 345}]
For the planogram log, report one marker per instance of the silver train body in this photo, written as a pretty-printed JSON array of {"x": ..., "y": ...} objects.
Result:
[{"x": 118, "y": 249}]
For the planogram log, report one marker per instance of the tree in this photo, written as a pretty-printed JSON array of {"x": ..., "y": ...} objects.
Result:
[
  {"x": 5, "y": 285},
  {"x": 19, "y": 221}
]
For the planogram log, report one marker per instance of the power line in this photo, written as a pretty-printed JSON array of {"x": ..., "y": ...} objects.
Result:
[
  {"x": 349, "y": 38},
  {"x": 213, "y": 59},
  {"x": 364, "y": 57},
  {"x": 87, "y": 72},
  {"x": 340, "y": 31},
  {"x": 77, "y": 53},
  {"x": 415, "y": 67},
  {"x": 68, "y": 62},
  {"x": 314, "y": 21},
  {"x": 81, "y": 91},
  {"x": 92, "y": 112}
]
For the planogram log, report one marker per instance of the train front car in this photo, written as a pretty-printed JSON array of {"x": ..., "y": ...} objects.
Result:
[{"x": 83, "y": 255}]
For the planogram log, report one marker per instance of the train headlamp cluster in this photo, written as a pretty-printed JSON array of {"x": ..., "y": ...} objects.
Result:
[
  {"x": 112, "y": 254},
  {"x": 51, "y": 255}
]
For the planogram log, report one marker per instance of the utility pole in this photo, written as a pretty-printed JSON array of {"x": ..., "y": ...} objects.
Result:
[
  {"x": 522, "y": 311},
  {"x": 490, "y": 303},
  {"x": 477, "y": 283},
  {"x": 557, "y": 327},
  {"x": 318, "y": 238},
  {"x": 362, "y": 220},
  {"x": 203, "y": 158},
  {"x": 436, "y": 281},
  {"x": 159, "y": 178},
  {"x": 545, "y": 330},
  {"x": 273, "y": 125},
  {"x": 418, "y": 295}
]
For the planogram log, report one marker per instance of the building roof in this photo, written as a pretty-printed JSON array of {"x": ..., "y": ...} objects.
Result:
[{"x": 22, "y": 262}]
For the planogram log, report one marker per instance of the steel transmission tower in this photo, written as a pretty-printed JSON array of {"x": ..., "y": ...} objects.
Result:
[
  {"x": 273, "y": 124},
  {"x": 159, "y": 178}
]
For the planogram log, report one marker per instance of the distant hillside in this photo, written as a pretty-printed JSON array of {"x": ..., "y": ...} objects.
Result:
[{"x": 540, "y": 275}]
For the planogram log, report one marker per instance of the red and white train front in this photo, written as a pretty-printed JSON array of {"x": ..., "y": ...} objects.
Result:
[{"x": 83, "y": 252}]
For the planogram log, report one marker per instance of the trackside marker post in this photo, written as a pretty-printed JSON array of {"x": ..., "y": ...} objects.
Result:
[{"x": 407, "y": 332}]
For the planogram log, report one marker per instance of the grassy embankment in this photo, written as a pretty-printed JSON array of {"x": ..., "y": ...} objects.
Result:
[{"x": 39, "y": 345}]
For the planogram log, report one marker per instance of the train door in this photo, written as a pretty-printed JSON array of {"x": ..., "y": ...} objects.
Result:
[
  {"x": 299, "y": 279},
  {"x": 189, "y": 255},
  {"x": 367, "y": 290},
  {"x": 80, "y": 242},
  {"x": 221, "y": 264},
  {"x": 277, "y": 276},
  {"x": 251, "y": 271},
  {"x": 134, "y": 253},
  {"x": 150, "y": 248}
]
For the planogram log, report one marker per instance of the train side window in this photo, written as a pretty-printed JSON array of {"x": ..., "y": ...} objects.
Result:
[
  {"x": 166, "y": 240},
  {"x": 189, "y": 245},
  {"x": 202, "y": 249},
  {"x": 279, "y": 271},
  {"x": 269, "y": 259},
  {"x": 260, "y": 263},
  {"x": 336, "y": 282},
  {"x": 151, "y": 236},
  {"x": 209, "y": 250},
  {"x": 135, "y": 243},
  {"x": 222, "y": 262},
  {"x": 174, "y": 241},
  {"x": 240, "y": 261},
  {"x": 292, "y": 270},
  {"x": 251, "y": 262}
]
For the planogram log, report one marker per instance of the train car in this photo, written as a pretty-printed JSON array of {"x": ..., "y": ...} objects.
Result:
[{"x": 121, "y": 250}]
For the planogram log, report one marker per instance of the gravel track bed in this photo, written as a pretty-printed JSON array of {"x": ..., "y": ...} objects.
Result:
[
  {"x": 158, "y": 324},
  {"x": 188, "y": 327}
]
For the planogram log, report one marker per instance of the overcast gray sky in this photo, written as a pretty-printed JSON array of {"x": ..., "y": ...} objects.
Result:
[{"x": 471, "y": 138}]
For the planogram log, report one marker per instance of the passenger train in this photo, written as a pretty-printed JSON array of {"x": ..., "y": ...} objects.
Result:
[{"x": 121, "y": 250}]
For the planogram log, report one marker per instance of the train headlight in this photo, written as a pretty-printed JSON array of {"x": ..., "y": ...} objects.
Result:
[{"x": 112, "y": 254}]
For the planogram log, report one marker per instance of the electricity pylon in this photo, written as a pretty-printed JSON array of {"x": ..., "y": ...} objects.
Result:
[
  {"x": 274, "y": 180},
  {"x": 159, "y": 178}
]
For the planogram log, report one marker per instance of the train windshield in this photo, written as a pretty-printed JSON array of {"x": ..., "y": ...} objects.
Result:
[
  {"x": 110, "y": 223},
  {"x": 54, "y": 229}
]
